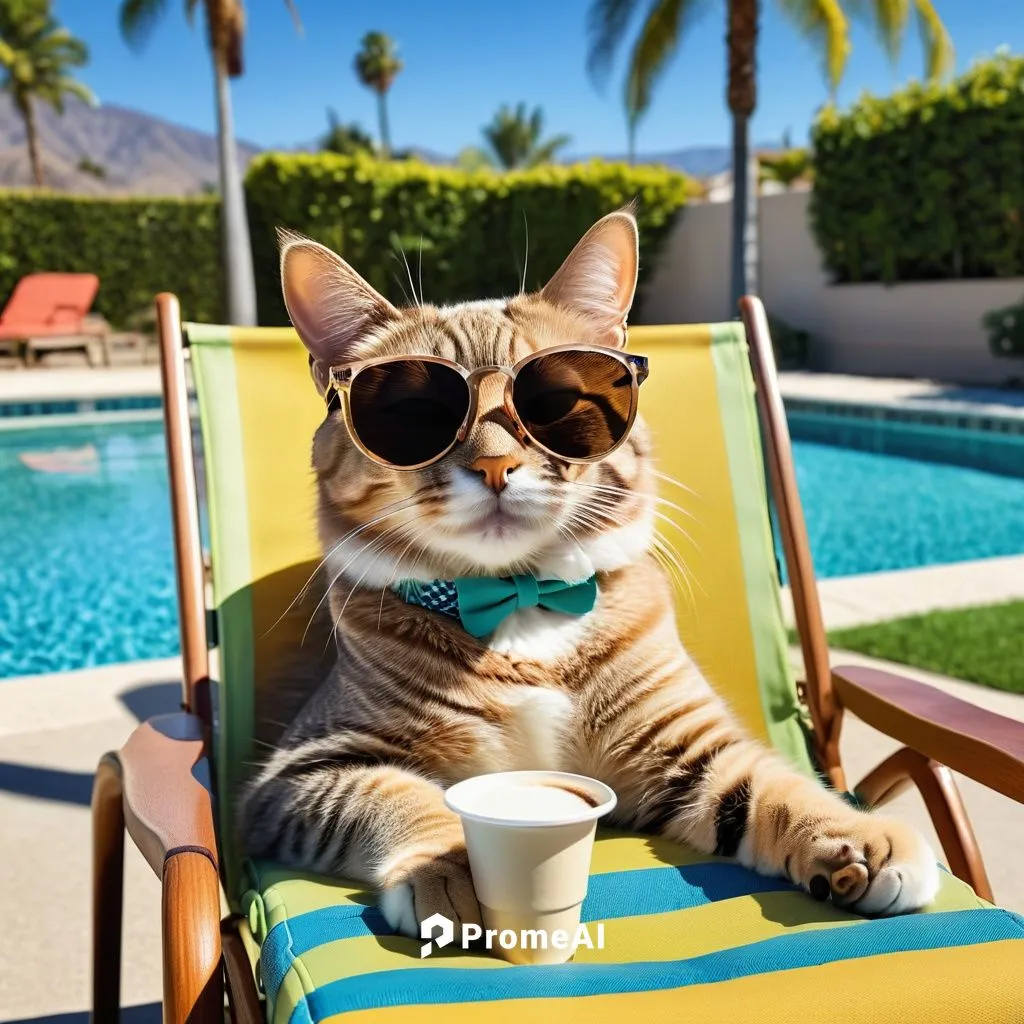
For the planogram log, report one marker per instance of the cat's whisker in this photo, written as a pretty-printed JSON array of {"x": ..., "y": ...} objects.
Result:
[
  {"x": 678, "y": 483},
  {"x": 331, "y": 584},
  {"x": 607, "y": 510},
  {"x": 391, "y": 579},
  {"x": 403, "y": 502},
  {"x": 408, "y": 270},
  {"x": 401, "y": 285},
  {"x": 355, "y": 586},
  {"x": 597, "y": 517},
  {"x": 420, "y": 272},
  {"x": 526, "y": 253},
  {"x": 611, "y": 489}
]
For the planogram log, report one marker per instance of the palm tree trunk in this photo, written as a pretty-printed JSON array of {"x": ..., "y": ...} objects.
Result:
[
  {"x": 382, "y": 117},
  {"x": 234, "y": 225},
  {"x": 742, "y": 95},
  {"x": 35, "y": 160},
  {"x": 631, "y": 140}
]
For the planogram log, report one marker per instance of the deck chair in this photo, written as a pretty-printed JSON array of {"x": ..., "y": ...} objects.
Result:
[
  {"x": 51, "y": 311},
  {"x": 687, "y": 937}
]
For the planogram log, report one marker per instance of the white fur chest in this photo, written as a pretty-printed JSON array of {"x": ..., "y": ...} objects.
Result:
[
  {"x": 539, "y": 634},
  {"x": 537, "y": 730}
]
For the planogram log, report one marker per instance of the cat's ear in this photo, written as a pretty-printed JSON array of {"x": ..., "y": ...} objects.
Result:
[
  {"x": 598, "y": 279},
  {"x": 330, "y": 305}
]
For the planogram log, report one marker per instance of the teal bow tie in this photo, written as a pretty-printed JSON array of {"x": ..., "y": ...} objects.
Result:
[{"x": 483, "y": 602}]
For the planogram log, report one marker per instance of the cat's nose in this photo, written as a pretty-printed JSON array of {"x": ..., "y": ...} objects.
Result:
[{"x": 495, "y": 470}]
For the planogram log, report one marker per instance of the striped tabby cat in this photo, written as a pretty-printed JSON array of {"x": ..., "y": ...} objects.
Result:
[{"x": 415, "y": 702}]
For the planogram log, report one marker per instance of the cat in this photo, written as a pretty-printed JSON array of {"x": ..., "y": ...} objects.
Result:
[{"x": 415, "y": 703}]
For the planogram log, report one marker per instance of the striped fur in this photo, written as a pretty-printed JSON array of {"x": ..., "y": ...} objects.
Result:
[{"x": 414, "y": 703}]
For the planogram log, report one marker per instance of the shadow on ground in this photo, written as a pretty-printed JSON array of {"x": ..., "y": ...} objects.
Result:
[
  {"x": 148, "y": 1013},
  {"x": 46, "y": 783},
  {"x": 152, "y": 699},
  {"x": 71, "y": 787}
]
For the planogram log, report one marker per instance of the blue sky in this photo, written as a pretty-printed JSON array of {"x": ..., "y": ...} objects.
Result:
[{"x": 466, "y": 57}]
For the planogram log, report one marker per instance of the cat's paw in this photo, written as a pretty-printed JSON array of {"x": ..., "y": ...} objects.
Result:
[
  {"x": 442, "y": 885},
  {"x": 879, "y": 867}
]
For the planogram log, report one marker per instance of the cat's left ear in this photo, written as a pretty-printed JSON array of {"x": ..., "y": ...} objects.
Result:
[{"x": 598, "y": 279}]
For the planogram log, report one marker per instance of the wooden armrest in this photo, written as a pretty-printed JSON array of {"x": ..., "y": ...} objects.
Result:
[
  {"x": 154, "y": 786},
  {"x": 167, "y": 805},
  {"x": 979, "y": 744}
]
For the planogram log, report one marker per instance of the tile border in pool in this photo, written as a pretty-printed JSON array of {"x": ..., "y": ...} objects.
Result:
[
  {"x": 926, "y": 414},
  {"x": 65, "y": 412},
  {"x": 992, "y": 444},
  {"x": 73, "y": 406}
]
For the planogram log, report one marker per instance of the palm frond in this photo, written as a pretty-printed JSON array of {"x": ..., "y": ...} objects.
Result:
[
  {"x": 658, "y": 41},
  {"x": 607, "y": 22},
  {"x": 137, "y": 19},
  {"x": 293, "y": 10},
  {"x": 938, "y": 47},
  {"x": 79, "y": 90},
  {"x": 889, "y": 19},
  {"x": 825, "y": 25},
  {"x": 544, "y": 153}
]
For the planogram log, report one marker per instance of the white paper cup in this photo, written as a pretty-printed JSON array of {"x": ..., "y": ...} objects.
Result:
[{"x": 530, "y": 836}]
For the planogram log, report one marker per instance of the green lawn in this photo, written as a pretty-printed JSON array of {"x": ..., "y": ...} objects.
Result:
[{"x": 984, "y": 645}]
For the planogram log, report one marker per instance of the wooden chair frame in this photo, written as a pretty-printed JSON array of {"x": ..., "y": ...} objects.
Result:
[{"x": 149, "y": 787}]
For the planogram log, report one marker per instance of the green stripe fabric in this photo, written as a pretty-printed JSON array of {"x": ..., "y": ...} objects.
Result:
[
  {"x": 784, "y": 717},
  {"x": 213, "y": 369},
  {"x": 419, "y": 985}
]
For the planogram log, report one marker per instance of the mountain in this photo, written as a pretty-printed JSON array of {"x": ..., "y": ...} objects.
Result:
[
  {"x": 697, "y": 161},
  {"x": 145, "y": 155},
  {"x": 141, "y": 154}
]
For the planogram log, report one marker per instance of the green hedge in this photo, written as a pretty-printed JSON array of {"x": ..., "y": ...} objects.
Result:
[
  {"x": 927, "y": 184},
  {"x": 471, "y": 226},
  {"x": 136, "y": 246}
]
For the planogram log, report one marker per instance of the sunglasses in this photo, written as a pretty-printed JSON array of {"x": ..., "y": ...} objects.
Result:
[{"x": 576, "y": 403}]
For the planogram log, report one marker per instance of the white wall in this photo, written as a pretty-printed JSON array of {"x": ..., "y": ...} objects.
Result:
[{"x": 909, "y": 330}]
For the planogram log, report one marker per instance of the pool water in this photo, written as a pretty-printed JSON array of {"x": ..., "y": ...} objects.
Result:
[
  {"x": 86, "y": 559},
  {"x": 870, "y": 512}
]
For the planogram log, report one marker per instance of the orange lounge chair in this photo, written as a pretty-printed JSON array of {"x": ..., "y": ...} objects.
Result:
[{"x": 51, "y": 311}]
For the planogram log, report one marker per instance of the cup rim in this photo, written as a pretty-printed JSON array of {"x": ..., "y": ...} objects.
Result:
[{"x": 595, "y": 786}]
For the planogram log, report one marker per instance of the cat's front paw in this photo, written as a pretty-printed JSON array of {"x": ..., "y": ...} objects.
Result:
[
  {"x": 879, "y": 867},
  {"x": 441, "y": 885}
]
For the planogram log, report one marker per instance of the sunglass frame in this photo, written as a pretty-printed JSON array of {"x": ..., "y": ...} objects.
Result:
[{"x": 341, "y": 378}]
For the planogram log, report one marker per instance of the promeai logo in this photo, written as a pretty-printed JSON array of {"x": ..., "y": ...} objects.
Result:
[
  {"x": 507, "y": 938},
  {"x": 446, "y": 932}
]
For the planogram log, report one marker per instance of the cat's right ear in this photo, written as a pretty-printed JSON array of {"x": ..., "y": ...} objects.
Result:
[{"x": 329, "y": 304}]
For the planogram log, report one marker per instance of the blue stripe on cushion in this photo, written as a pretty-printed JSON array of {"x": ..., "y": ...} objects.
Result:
[
  {"x": 610, "y": 895},
  {"x": 418, "y": 985},
  {"x": 660, "y": 890}
]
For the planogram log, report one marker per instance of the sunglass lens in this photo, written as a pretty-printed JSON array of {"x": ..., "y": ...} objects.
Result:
[
  {"x": 576, "y": 404},
  {"x": 408, "y": 411}
]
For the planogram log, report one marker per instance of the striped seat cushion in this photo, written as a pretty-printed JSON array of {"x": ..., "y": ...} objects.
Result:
[{"x": 686, "y": 937}]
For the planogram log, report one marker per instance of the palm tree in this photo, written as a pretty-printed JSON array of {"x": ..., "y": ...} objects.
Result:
[
  {"x": 515, "y": 138},
  {"x": 347, "y": 139},
  {"x": 36, "y": 54},
  {"x": 823, "y": 22},
  {"x": 225, "y": 23},
  {"x": 378, "y": 65}
]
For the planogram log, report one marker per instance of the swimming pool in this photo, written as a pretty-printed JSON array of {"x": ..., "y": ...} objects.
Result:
[{"x": 86, "y": 560}]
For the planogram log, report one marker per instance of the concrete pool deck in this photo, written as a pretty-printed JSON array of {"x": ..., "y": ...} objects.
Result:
[
  {"x": 53, "y": 729},
  {"x": 878, "y": 596}
]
